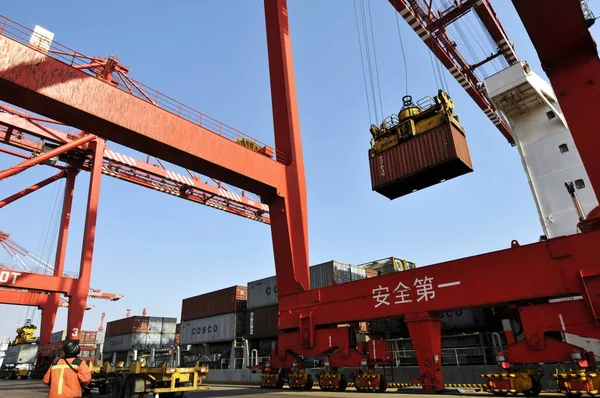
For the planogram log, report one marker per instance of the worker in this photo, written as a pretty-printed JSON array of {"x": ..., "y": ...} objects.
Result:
[{"x": 68, "y": 375}]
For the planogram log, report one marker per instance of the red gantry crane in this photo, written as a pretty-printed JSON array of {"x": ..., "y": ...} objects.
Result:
[{"x": 39, "y": 75}]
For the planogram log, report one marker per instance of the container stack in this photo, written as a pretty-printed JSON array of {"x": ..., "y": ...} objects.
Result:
[
  {"x": 262, "y": 317},
  {"x": 87, "y": 343},
  {"x": 139, "y": 333},
  {"x": 214, "y": 320}
]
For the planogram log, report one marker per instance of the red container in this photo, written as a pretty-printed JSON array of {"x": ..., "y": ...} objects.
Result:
[
  {"x": 87, "y": 337},
  {"x": 420, "y": 162},
  {"x": 133, "y": 324},
  {"x": 224, "y": 301},
  {"x": 261, "y": 322}
]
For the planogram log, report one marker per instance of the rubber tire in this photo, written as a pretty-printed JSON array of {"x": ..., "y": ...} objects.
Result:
[
  {"x": 24, "y": 377},
  {"x": 382, "y": 385},
  {"x": 129, "y": 387},
  {"x": 117, "y": 386},
  {"x": 104, "y": 389},
  {"x": 343, "y": 384},
  {"x": 535, "y": 390},
  {"x": 309, "y": 383},
  {"x": 280, "y": 383}
]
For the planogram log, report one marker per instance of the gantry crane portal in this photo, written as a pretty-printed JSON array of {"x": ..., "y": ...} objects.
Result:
[{"x": 31, "y": 77}]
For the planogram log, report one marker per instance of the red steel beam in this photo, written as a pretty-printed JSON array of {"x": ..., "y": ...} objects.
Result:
[
  {"x": 15, "y": 297},
  {"x": 45, "y": 156},
  {"x": 467, "y": 80},
  {"x": 490, "y": 20},
  {"x": 569, "y": 57},
  {"x": 289, "y": 225},
  {"x": 559, "y": 267},
  {"x": 141, "y": 173},
  {"x": 31, "y": 281},
  {"x": 31, "y": 189},
  {"x": 44, "y": 85},
  {"x": 78, "y": 297}
]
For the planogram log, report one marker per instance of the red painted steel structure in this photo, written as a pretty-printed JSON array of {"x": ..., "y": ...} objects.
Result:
[{"x": 522, "y": 276}]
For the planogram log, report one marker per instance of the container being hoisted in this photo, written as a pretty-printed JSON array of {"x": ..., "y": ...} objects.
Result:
[{"x": 421, "y": 146}]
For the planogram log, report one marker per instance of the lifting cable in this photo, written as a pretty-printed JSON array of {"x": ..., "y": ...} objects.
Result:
[
  {"x": 369, "y": 64},
  {"x": 402, "y": 52}
]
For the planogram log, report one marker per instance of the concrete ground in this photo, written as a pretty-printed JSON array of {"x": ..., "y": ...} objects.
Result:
[{"x": 35, "y": 388}]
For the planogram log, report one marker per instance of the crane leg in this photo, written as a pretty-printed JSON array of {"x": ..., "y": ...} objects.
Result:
[
  {"x": 77, "y": 301},
  {"x": 426, "y": 336}
]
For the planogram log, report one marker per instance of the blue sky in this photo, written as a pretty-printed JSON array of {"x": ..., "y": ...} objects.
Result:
[{"x": 157, "y": 249}]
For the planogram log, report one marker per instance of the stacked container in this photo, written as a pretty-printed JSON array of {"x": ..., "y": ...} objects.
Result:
[
  {"x": 261, "y": 321},
  {"x": 139, "y": 333},
  {"x": 215, "y": 317},
  {"x": 87, "y": 343}
]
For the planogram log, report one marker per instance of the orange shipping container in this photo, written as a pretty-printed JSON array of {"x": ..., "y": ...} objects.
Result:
[
  {"x": 224, "y": 301},
  {"x": 133, "y": 324},
  {"x": 425, "y": 160}
]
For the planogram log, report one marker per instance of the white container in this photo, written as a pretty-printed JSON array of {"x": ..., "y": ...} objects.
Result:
[
  {"x": 169, "y": 325},
  {"x": 262, "y": 293},
  {"x": 21, "y": 354},
  {"x": 208, "y": 330},
  {"x": 58, "y": 336},
  {"x": 155, "y": 325},
  {"x": 133, "y": 341},
  {"x": 326, "y": 274},
  {"x": 167, "y": 340}
]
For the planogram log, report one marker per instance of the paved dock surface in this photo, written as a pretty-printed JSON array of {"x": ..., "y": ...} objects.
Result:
[{"x": 35, "y": 389}]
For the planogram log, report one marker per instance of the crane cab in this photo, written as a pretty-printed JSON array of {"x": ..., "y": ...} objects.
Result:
[{"x": 423, "y": 145}]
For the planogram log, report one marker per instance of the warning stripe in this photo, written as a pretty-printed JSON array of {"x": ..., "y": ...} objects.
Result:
[
  {"x": 117, "y": 157},
  {"x": 230, "y": 195},
  {"x": 180, "y": 178},
  {"x": 350, "y": 384}
]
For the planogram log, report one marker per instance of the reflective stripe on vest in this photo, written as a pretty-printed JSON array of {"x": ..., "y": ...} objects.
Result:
[{"x": 62, "y": 375}]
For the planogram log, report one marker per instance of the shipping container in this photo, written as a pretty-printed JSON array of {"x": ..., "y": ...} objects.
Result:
[
  {"x": 87, "y": 337},
  {"x": 137, "y": 341},
  {"x": 133, "y": 324},
  {"x": 326, "y": 274},
  {"x": 169, "y": 325},
  {"x": 136, "y": 324},
  {"x": 261, "y": 322},
  {"x": 417, "y": 163},
  {"x": 262, "y": 293},
  {"x": 58, "y": 336},
  {"x": 463, "y": 319},
  {"x": 20, "y": 354},
  {"x": 213, "y": 329},
  {"x": 388, "y": 265},
  {"x": 224, "y": 301}
]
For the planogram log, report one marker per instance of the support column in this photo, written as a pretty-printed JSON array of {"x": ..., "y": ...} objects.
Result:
[
  {"x": 426, "y": 336},
  {"x": 51, "y": 307},
  {"x": 31, "y": 189},
  {"x": 289, "y": 226},
  {"x": 77, "y": 302}
]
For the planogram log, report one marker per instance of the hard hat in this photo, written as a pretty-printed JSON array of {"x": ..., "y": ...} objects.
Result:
[{"x": 71, "y": 348}]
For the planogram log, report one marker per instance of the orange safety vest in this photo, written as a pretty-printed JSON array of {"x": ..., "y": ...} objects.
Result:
[{"x": 65, "y": 382}]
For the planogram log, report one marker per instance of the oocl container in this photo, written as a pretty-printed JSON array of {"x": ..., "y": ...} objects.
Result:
[
  {"x": 224, "y": 301},
  {"x": 437, "y": 155},
  {"x": 213, "y": 329}
]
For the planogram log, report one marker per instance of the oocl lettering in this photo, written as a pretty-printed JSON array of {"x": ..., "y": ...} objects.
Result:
[{"x": 9, "y": 276}]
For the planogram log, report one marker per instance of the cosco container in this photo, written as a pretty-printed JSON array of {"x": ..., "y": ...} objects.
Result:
[
  {"x": 20, "y": 354},
  {"x": 463, "y": 319},
  {"x": 224, "y": 301},
  {"x": 261, "y": 322},
  {"x": 136, "y": 341},
  {"x": 213, "y": 329},
  {"x": 417, "y": 163},
  {"x": 135, "y": 324},
  {"x": 262, "y": 293},
  {"x": 326, "y": 274}
]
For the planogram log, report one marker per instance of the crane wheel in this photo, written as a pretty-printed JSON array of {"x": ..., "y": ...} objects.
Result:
[
  {"x": 104, "y": 389},
  {"x": 117, "y": 386},
  {"x": 343, "y": 384},
  {"x": 536, "y": 389},
  {"x": 309, "y": 383},
  {"x": 382, "y": 385}
]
